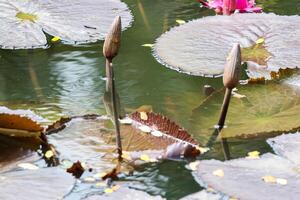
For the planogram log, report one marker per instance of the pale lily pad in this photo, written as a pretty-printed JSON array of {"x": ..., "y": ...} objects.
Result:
[
  {"x": 200, "y": 47},
  {"x": 125, "y": 194},
  {"x": 267, "y": 109},
  {"x": 24, "y": 23},
  {"x": 44, "y": 184},
  {"x": 269, "y": 177},
  {"x": 203, "y": 195}
]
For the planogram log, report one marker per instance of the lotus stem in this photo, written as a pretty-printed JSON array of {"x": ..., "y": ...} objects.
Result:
[{"x": 110, "y": 50}]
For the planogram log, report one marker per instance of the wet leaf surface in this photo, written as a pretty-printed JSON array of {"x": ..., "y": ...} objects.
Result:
[
  {"x": 124, "y": 193},
  {"x": 182, "y": 48},
  {"x": 23, "y": 23},
  {"x": 45, "y": 183},
  {"x": 271, "y": 176}
]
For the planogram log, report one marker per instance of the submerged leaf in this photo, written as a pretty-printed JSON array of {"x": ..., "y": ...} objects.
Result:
[
  {"x": 200, "y": 47},
  {"x": 23, "y": 23},
  {"x": 267, "y": 109}
]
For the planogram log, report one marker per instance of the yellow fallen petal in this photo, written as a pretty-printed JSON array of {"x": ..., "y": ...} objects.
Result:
[
  {"x": 143, "y": 116},
  {"x": 253, "y": 155},
  {"x": 101, "y": 184},
  {"x": 145, "y": 158},
  {"x": 108, "y": 191},
  {"x": 115, "y": 187},
  {"x": 193, "y": 165},
  {"x": 28, "y": 166},
  {"x": 55, "y": 39},
  {"x": 281, "y": 181},
  {"x": 180, "y": 21},
  {"x": 49, "y": 154},
  {"x": 260, "y": 41},
  {"x": 218, "y": 172},
  {"x": 147, "y": 45},
  {"x": 269, "y": 179},
  {"x": 233, "y": 198},
  {"x": 126, "y": 155}
]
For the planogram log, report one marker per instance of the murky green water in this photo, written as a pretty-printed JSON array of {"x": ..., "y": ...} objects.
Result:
[{"x": 67, "y": 80}]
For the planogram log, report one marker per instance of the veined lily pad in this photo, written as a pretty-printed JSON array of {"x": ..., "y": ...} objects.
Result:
[
  {"x": 93, "y": 140},
  {"x": 266, "y": 109},
  {"x": 200, "y": 47},
  {"x": 270, "y": 176},
  {"x": 46, "y": 184},
  {"x": 20, "y": 123},
  {"x": 23, "y": 23}
]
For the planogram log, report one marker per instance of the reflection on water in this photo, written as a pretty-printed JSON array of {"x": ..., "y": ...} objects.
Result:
[{"x": 67, "y": 80}]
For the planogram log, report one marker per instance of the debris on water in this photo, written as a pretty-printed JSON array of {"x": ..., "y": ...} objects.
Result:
[{"x": 76, "y": 169}]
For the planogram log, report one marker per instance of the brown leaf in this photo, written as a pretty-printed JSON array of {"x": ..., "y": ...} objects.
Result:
[{"x": 76, "y": 169}]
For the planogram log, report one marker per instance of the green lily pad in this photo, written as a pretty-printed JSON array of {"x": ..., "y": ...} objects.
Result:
[
  {"x": 267, "y": 109},
  {"x": 200, "y": 47},
  {"x": 24, "y": 23}
]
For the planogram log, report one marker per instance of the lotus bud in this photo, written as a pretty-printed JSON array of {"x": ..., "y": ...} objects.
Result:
[
  {"x": 229, "y": 7},
  {"x": 233, "y": 67},
  {"x": 113, "y": 39}
]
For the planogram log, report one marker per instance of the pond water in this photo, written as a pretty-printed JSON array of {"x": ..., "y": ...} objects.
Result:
[{"x": 68, "y": 80}]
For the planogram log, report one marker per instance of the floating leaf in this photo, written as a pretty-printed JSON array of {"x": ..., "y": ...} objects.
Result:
[
  {"x": 124, "y": 193},
  {"x": 203, "y": 195},
  {"x": 247, "y": 178},
  {"x": 23, "y": 23},
  {"x": 46, "y": 184},
  {"x": 20, "y": 123},
  {"x": 76, "y": 169},
  {"x": 267, "y": 109},
  {"x": 200, "y": 47}
]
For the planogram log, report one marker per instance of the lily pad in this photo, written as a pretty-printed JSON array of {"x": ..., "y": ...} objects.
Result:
[
  {"x": 46, "y": 184},
  {"x": 125, "y": 194},
  {"x": 24, "y": 23},
  {"x": 266, "y": 109},
  {"x": 92, "y": 140},
  {"x": 270, "y": 176},
  {"x": 200, "y": 47},
  {"x": 20, "y": 123}
]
